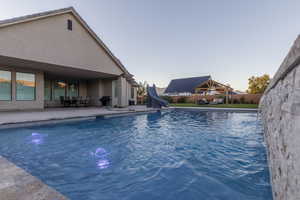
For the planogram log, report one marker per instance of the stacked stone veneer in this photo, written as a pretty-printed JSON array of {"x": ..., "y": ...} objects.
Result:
[{"x": 280, "y": 107}]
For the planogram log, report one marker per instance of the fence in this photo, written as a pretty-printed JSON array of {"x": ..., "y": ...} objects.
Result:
[{"x": 235, "y": 98}]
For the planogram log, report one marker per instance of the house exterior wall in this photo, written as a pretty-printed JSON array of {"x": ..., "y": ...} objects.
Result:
[
  {"x": 129, "y": 91},
  {"x": 99, "y": 88},
  {"x": 49, "y": 41},
  {"x": 94, "y": 91},
  {"x": 14, "y": 104},
  {"x": 83, "y": 88}
]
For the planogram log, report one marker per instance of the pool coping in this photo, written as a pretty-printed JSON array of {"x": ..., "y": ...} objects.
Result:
[
  {"x": 17, "y": 184},
  {"x": 53, "y": 121},
  {"x": 244, "y": 110}
]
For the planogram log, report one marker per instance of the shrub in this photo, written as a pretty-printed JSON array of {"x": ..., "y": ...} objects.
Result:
[
  {"x": 168, "y": 99},
  {"x": 220, "y": 96},
  {"x": 242, "y": 99},
  {"x": 181, "y": 100},
  {"x": 236, "y": 101},
  {"x": 145, "y": 99}
]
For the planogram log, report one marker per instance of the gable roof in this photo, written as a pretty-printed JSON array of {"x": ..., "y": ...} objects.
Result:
[
  {"x": 186, "y": 85},
  {"x": 71, "y": 10}
]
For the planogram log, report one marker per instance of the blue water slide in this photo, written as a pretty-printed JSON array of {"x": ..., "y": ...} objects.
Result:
[{"x": 154, "y": 101}]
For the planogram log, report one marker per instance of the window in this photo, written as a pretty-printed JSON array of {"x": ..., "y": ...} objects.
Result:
[
  {"x": 70, "y": 25},
  {"x": 47, "y": 90},
  {"x": 73, "y": 89},
  {"x": 5, "y": 85},
  {"x": 59, "y": 89},
  {"x": 25, "y": 88},
  {"x": 132, "y": 92}
]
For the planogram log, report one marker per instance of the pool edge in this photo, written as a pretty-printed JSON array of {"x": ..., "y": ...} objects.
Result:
[
  {"x": 218, "y": 109},
  {"x": 16, "y": 183},
  {"x": 54, "y": 121}
]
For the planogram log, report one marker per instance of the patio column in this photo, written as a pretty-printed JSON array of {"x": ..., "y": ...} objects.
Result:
[{"x": 122, "y": 91}]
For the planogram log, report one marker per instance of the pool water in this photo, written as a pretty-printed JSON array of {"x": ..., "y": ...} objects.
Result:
[{"x": 182, "y": 155}]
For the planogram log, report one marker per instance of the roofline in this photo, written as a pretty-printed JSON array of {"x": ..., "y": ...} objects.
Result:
[
  {"x": 42, "y": 15},
  {"x": 215, "y": 82},
  {"x": 192, "y": 77}
]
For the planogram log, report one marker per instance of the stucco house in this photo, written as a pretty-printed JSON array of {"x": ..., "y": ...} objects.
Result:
[{"x": 48, "y": 55}]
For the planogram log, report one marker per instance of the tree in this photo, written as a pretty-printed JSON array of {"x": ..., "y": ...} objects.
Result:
[
  {"x": 258, "y": 84},
  {"x": 141, "y": 90}
]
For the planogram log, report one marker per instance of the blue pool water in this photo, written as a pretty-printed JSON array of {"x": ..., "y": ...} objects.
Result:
[{"x": 180, "y": 155}]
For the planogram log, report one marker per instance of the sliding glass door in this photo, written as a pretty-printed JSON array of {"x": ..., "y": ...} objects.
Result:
[{"x": 54, "y": 89}]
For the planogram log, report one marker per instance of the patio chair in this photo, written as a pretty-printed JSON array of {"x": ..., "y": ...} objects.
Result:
[
  {"x": 80, "y": 101},
  {"x": 105, "y": 100},
  {"x": 85, "y": 101},
  {"x": 74, "y": 101},
  {"x": 64, "y": 101},
  {"x": 202, "y": 101},
  {"x": 68, "y": 101}
]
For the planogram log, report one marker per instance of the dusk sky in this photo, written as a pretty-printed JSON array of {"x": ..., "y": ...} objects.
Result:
[{"x": 159, "y": 40}]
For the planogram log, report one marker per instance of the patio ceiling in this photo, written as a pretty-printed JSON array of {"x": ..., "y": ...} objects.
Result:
[{"x": 51, "y": 70}]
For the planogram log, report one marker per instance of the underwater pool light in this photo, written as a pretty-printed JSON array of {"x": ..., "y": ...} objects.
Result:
[
  {"x": 100, "y": 153},
  {"x": 36, "y": 138}
]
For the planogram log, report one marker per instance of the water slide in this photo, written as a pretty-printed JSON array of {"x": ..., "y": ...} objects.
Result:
[{"x": 154, "y": 101}]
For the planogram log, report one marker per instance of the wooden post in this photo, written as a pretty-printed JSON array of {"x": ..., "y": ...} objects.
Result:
[{"x": 226, "y": 95}]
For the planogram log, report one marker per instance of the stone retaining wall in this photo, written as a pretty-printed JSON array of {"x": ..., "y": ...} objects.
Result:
[{"x": 280, "y": 107}]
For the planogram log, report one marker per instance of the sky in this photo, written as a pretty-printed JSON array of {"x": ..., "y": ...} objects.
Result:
[{"x": 160, "y": 40}]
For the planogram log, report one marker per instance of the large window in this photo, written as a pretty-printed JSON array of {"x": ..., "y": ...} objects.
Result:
[
  {"x": 73, "y": 89},
  {"x": 5, "y": 85},
  {"x": 47, "y": 90},
  {"x": 59, "y": 89},
  {"x": 25, "y": 88}
]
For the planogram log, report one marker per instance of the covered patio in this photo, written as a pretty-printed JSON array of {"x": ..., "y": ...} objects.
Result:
[{"x": 44, "y": 85}]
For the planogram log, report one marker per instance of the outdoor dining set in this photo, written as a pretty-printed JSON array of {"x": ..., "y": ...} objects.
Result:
[
  {"x": 74, "y": 101},
  {"x": 82, "y": 101}
]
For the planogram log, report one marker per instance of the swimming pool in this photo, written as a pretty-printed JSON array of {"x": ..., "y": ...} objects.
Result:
[{"x": 175, "y": 154}]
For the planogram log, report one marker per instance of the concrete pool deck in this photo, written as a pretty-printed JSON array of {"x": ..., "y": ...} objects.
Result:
[
  {"x": 17, "y": 184},
  {"x": 24, "y": 118}
]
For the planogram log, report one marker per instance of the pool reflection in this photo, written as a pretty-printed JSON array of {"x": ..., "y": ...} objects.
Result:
[{"x": 103, "y": 164}]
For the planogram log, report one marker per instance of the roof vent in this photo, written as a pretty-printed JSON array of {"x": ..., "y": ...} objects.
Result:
[{"x": 70, "y": 25}]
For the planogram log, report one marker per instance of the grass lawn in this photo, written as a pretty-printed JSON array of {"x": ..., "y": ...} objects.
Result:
[{"x": 216, "y": 106}]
